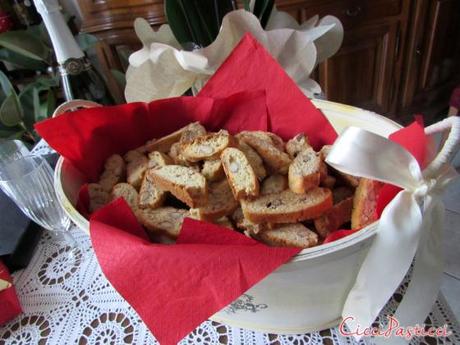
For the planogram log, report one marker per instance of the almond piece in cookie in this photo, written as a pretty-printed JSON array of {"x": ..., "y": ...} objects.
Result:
[
  {"x": 220, "y": 202},
  {"x": 213, "y": 170},
  {"x": 240, "y": 174},
  {"x": 287, "y": 206},
  {"x": 274, "y": 184},
  {"x": 334, "y": 218},
  {"x": 365, "y": 203},
  {"x": 98, "y": 196},
  {"x": 297, "y": 144},
  {"x": 127, "y": 192},
  {"x": 135, "y": 171},
  {"x": 114, "y": 172},
  {"x": 184, "y": 183},
  {"x": 289, "y": 235},
  {"x": 158, "y": 159},
  {"x": 162, "y": 221},
  {"x": 254, "y": 159},
  {"x": 207, "y": 147},
  {"x": 150, "y": 196},
  {"x": 275, "y": 158},
  {"x": 305, "y": 171}
]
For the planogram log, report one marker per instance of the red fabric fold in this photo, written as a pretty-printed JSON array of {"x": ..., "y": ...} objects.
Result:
[
  {"x": 9, "y": 302},
  {"x": 174, "y": 288}
]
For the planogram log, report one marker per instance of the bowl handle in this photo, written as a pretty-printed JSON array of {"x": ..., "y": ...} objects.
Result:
[
  {"x": 450, "y": 147},
  {"x": 73, "y": 105}
]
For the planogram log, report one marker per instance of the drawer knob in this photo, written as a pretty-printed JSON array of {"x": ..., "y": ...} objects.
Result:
[{"x": 354, "y": 11}]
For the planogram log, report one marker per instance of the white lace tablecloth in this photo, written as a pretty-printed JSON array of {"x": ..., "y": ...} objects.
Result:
[{"x": 71, "y": 302}]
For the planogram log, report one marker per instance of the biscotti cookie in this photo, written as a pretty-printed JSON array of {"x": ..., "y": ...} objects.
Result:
[
  {"x": 220, "y": 202},
  {"x": 213, "y": 170},
  {"x": 365, "y": 203},
  {"x": 164, "y": 144},
  {"x": 297, "y": 144},
  {"x": 127, "y": 192},
  {"x": 245, "y": 225},
  {"x": 289, "y": 235},
  {"x": 150, "y": 195},
  {"x": 192, "y": 131},
  {"x": 184, "y": 183},
  {"x": 158, "y": 159},
  {"x": 209, "y": 146},
  {"x": 225, "y": 222},
  {"x": 305, "y": 171},
  {"x": 114, "y": 172},
  {"x": 163, "y": 221},
  {"x": 287, "y": 206},
  {"x": 334, "y": 218},
  {"x": 254, "y": 159},
  {"x": 240, "y": 174},
  {"x": 98, "y": 196},
  {"x": 274, "y": 184},
  {"x": 275, "y": 158},
  {"x": 135, "y": 171},
  {"x": 268, "y": 137}
]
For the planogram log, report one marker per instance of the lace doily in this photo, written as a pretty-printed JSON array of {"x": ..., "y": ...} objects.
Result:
[{"x": 69, "y": 301}]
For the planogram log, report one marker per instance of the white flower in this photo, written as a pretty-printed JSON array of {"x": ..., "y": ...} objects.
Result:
[{"x": 161, "y": 69}]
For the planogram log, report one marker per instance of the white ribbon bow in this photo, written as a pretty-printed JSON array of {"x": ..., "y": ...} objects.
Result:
[{"x": 410, "y": 226}]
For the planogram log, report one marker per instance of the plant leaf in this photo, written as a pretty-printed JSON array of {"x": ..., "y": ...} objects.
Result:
[
  {"x": 267, "y": 10},
  {"x": 246, "y": 5},
  {"x": 178, "y": 22},
  {"x": 10, "y": 111},
  {"x": 41, "y": 33},
  {"x": 5, "y": 84},
  {"x": 24, "y": 43},
  {"x": 86, "y": 41},
  {"x": 119, "y": 78},
  {"x": 21, "y": 61}
]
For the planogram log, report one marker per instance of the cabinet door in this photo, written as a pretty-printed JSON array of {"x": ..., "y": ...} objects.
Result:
[{"x": 361, "y": 72}]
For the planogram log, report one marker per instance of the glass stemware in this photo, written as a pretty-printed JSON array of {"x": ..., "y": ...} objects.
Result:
[{"x": 28, "y": 181}]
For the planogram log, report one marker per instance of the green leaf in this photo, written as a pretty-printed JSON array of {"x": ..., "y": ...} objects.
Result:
[
  {"x": 21, "y": 61},
  {"x": 246, "y": 5},
  {"x": 178, "y": 22},
  {"x": 119, "y": 78},
  {"x": 267, "y": 10},
  {"x": 5, "y": 84},
  {"x": 26, "y": 44},
  {"x": 86, "y": 41},
  {"x": 41, "y": 33},
  {"x": 45, "y": 107},
  {"x": 10, "y": 111}
]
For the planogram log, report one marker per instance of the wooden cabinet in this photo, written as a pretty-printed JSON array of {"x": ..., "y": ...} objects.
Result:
[{"x": 398, "y": 56}]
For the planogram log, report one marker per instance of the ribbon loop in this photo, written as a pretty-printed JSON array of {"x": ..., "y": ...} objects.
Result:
[{"x": 413, "y": 217}]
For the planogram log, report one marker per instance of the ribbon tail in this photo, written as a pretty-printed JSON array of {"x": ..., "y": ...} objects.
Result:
[{"x": 387, "y": 261}]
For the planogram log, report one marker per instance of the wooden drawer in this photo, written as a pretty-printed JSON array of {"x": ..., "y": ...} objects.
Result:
[{"x": 352, "y": 13}]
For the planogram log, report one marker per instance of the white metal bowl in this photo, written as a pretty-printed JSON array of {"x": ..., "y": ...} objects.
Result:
[{"x": 307, "y": 294}]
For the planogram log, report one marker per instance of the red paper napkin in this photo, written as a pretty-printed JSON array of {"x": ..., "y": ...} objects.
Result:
[
  {"x": 174, "y": 288},
  {"x": 9, "y": 303}
]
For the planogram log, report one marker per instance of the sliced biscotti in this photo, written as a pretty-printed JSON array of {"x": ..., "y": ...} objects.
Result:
[
  {"x": 135, "y": 170},
  {"x": 289, "y": 235},
  {"x": 184, "y": 183},
  {"x": 365, "y": 203},
  {"x": 209, "y": 146},
  {"x": 305, "y": 171},
  {"x": 287, "y": 206},
  {"x": 98, "y": 196},
  {"x": 335, "y": 217},
  {"x": 191, "y": 132},
  {"x": 241, "y": 176},
  {"x": 162, "y": 221},
  {"x": 213, "y": 170},
  {"x": 225, "y": 222},
  {"x": 243, "y": 224},
  {"x": 158, "y": 159},
  {"x": 150, "y": 195},
  {"x": 220, "y": 202},
  {"x": 127, "y": 192},
  {"x": 114, "y": 172},
  {"x": 254, "y": 159},
  {"x": 270, "y": 138},
  {"x": 274, "y": 184},
  {"x": 273, "y": 156},
  {"x": 164, "y": 144},
  {"x": 297, "y": 144}
]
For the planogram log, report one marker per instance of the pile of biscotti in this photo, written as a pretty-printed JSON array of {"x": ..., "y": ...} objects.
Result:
[{"x": 280, "y": 193}]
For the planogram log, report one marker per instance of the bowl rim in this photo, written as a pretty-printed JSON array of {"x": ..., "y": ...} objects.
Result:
[{"x": 304, "y": 254}]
